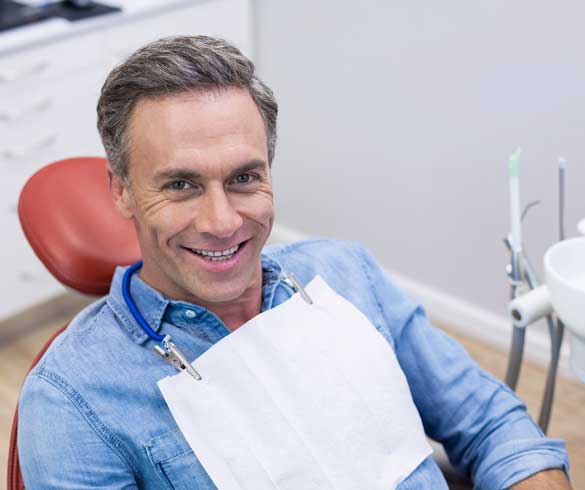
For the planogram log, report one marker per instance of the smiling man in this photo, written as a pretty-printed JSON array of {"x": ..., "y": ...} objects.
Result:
[
  {"x": 201, "y": 198},
  {"x": 190, "y": 131}
]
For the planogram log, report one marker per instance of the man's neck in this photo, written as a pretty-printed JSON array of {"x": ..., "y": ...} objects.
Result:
[{"x": 238, "y": 312}]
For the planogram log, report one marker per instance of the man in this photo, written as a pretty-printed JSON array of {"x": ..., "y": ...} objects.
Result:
[{"x": 190, "y": 132}]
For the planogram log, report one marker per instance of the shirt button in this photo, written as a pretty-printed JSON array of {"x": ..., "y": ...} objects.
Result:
[{"x": 190, "y": 314}]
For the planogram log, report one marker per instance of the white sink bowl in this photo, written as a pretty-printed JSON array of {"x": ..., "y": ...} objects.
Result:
[{"x": 564, "y": 267}]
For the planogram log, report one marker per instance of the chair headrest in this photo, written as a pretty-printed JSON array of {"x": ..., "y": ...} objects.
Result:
[{"x": 69, "y": 219}]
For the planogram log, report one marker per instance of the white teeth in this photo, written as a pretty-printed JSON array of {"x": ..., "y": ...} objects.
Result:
[
  {"x": 226, "y": 254},
  {"x": 223, "y": 257}
]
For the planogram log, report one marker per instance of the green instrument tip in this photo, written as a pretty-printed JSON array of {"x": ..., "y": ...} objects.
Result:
[{"x": 514, "y": 163}]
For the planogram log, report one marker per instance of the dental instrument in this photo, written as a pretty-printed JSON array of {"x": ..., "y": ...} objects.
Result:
[
  {"x": 514, "y": 243},
  {"x": 527, "y": 308}
]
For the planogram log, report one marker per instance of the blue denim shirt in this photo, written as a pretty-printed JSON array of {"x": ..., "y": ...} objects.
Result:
[{"x": 91, "y": 414}]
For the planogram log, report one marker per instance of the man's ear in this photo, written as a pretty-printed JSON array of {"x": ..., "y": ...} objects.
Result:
[{"x": 120, "y": 193}]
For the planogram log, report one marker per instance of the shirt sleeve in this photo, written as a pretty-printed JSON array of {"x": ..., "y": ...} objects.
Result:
[
  {"x": 484, "y": 427},
  {"x": 59, "y": 448}
]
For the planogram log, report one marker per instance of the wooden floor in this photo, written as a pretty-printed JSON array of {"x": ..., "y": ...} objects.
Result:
[{"x": 566, "y": 423}]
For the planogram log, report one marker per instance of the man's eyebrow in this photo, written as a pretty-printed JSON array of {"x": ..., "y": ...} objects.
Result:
[
  {"x": 251, "y": 165},
  {"x": 176, "y": 174}
]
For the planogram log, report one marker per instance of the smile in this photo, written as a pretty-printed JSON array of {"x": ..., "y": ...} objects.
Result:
[{"x": 214, "y": 255}]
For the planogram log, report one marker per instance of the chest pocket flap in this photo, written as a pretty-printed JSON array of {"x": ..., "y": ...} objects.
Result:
[{"x": 176, "y": 464}]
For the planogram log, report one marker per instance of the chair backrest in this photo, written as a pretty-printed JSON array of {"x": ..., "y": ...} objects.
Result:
[{"x": 69, "y": 219}]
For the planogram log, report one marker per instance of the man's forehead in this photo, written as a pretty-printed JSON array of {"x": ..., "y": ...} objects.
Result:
[
  {"x": 200, "y": 128},
  {"x": 231, "y": 103}
]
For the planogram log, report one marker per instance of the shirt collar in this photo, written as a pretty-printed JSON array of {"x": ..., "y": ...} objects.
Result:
[{"x": 153, "y": 305}]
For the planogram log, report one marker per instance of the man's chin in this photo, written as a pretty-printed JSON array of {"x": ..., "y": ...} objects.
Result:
[
  {"x": 210, "y": 288},
  {"x": 218, "y": 295}
]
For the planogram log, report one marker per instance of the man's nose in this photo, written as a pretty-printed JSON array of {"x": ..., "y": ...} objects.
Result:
[{"x": 218, "y": 216}]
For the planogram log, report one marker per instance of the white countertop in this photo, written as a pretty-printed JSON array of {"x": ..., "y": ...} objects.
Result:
[{"x": 14, "y": 40}]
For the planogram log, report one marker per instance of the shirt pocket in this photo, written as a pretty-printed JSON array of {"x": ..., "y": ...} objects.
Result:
[{"x": 175, "y": 463}]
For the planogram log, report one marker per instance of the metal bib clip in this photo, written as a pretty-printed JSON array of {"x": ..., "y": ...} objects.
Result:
[{"x": 171, "y": 354}]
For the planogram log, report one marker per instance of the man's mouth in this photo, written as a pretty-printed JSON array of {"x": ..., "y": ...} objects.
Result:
[{"x": 217, "y": 255}]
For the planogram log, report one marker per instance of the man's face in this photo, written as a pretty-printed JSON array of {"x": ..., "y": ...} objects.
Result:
[{"x": 200, "y": 184}]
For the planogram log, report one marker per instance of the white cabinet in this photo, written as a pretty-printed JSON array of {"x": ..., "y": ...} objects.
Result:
[
  {"x": 28, "y": 70},
  {"x": 48, "y": 97}
]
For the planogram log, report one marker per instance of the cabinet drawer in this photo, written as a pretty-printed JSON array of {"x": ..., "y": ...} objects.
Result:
[
  {"x": 24, "y": 113},
  {"x": 24, "y": 108},
  {"x": 63, "y": 127},
  {"x": 27, "y": 71}
]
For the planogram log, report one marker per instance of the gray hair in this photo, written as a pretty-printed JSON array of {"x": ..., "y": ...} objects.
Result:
[{"x": 175, "y": 65}]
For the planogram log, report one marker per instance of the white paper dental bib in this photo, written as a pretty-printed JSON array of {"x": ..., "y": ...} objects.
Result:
[{"x": 302, "y": 397}]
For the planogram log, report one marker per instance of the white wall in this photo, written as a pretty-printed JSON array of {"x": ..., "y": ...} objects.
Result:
[{"x": 397, "y": 119}]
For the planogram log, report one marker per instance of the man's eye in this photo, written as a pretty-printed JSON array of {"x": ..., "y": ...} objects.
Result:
[
  {"x": 243, "y": 179},
  {"x": 179, "y": 185}
]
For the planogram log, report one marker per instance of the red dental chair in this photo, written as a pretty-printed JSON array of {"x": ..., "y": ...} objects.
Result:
[{"x": 69, "y": 219}]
